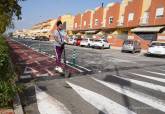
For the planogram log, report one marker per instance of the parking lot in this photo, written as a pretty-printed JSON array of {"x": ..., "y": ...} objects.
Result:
[{"x": 118, "y": 82}]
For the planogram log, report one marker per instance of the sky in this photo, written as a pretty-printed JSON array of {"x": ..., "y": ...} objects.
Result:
[{"x": 35, "y": 11}]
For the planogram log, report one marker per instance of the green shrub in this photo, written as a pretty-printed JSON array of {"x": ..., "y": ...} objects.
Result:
[{"x": 8, "y": 88}]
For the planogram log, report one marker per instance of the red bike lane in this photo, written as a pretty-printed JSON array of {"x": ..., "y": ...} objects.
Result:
[{"x": 33, "y": 64}]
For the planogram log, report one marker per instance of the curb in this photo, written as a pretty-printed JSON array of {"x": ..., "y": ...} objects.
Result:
[{"x": 18, "y": 109}]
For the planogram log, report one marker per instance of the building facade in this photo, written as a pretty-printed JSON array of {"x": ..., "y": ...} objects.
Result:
[
  {"x": 97, "y": 21},
  {"x": 157, "y": 13},
  {"x": 112, "y": 15},
  {"x": 132, "y": 14},
  {"x": 68, "y": 21},
  {"x": 77, "y": 22},
  {"x": 87, "y": 18}
]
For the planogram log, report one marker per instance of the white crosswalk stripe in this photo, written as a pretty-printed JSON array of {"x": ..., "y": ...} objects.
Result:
[
  {"x": 162, "y": 74},
  {"x": 144, "y": 84},
  {"x": 144, "y": 98},
  {"x": 149, "y": 77},
  {"x": 121, "y": 60},
  {"x": 49, "y": 105},
  {"x": 100, "y": 102}
]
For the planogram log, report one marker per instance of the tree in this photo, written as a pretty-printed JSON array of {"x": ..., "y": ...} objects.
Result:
[{"x": 9, "y": 9}]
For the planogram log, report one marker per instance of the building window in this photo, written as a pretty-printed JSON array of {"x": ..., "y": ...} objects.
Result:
[
  {"x": 110, "y": 20},
  {"x": 85, "y": 23},
  {"x": 75, "y": 25},
  {"x": 130, "y": 16},
  {"x": 96, "y": 21},
  {"x": 159, "y": 12}
]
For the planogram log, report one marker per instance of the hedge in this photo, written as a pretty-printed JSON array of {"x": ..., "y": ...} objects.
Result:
[{"x": 8, "y": 88}]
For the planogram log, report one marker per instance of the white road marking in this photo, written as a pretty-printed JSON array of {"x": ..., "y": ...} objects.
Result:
[
  {"x": 100, "y": 102},
  {"x": 144, "y": 84},
  {"x": 139, "y": 96},
  {"x": 122, "y": 60},
  {"x": 49, "y": 72},
  {"x": 150, "y": 77},
  {"x": 49, "y": 105},
  {"x": 25, "y": 76},
  {"x": 75, "y": 68},
  {"x": 42, "y": 75},
  {"x": 162, "y": 74},
  {"x": 80, "y": 66},
  {"x": 83, "y": 67}
]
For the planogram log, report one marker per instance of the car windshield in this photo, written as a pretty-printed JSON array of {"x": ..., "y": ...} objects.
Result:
[
  {"x": 97, "y": 40},
  {"x": 158, "y": 44},
  {"x": 85, "y": 39},
  {"x": 105, "y": 40},
  {"x": 128, "y": 42}
]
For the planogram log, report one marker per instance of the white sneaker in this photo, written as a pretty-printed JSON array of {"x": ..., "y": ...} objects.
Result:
[{"x": 59, "y": 69}]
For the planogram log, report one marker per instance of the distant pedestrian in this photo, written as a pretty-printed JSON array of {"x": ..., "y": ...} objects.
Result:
[{"x": 59, "y": 45}]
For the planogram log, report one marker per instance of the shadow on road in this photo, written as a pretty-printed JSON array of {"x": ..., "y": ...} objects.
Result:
[{"x": 122, "y": 84}]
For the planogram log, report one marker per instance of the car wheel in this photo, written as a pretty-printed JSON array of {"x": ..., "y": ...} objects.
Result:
[
  {"x": 88, "y": 45},
  {"x": 102, "y": 47},
  {"x": 133, "y": 51},
  {"x": 122, "y": 51}
]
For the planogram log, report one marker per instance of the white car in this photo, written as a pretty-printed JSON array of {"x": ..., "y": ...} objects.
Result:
[
  {"x": 30, "y": 37},
  {"x": 157, "y": 48},
  {"x": 71, "y": 41},
  {"x": 100, "y": 43},
  {"x": 86, "y": 42}
]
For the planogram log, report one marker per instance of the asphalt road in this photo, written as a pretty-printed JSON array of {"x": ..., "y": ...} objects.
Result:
[{"x": 120, "y": 83}]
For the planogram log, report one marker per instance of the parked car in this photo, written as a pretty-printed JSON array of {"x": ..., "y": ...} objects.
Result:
[
  {"x": 131, "y": 46},
  {"x": 86, "y": 42},
  {"x": 100, "y": 43},
  {"x": 77, "y": 41},
  {"x": 42, "y": 38},
  {"x": 156, "y": 48},
  {"x": 30, "y": 37},
  {"x": 71, "y": 41}
]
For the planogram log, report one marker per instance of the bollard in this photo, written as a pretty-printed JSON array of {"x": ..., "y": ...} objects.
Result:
[{"x": 74, "y": 57}]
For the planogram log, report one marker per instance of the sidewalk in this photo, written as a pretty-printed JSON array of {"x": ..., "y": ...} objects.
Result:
[{"x": 32, "y": 64}]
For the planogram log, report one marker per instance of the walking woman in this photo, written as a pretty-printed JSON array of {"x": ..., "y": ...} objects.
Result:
[{"x": 59, "y": 46}]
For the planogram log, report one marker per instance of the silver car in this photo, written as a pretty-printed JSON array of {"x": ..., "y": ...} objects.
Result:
[{"x": 131, "y": 46}]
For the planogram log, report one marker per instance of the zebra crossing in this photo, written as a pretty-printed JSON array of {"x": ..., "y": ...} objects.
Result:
[{"x": 130, "y": 92}]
